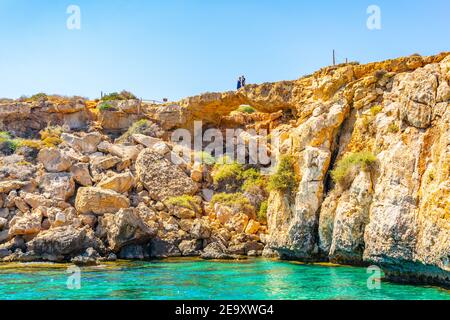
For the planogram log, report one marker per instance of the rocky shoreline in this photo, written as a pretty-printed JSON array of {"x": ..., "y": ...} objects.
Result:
[{"x": 362, "y": 175}]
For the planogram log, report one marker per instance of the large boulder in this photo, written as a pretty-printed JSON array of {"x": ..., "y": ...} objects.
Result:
[
  {"x": 26, "y": 224},
  {"x": 125, "y": 152},
  {"x": 54, "y": 160},
  {"x": 36, "y": 200},
  {"x": 99, "y": 201},
  {"x": 161, "y": 178},
  {"x": 146, "y": 141},
  {"x": 120, "y": 150},
  {"x": 164, "y": 248},
  {"x": 134, "y": 252},
  {"x": 3, "y": 223},
  {"x": 116, "y": 119},
  {"x": 81, "y": 174},
  {"x": 120, "y": 183},
  {"x": 190, "y": 247},
  {"x": 7, "y": 186},
  {"x": 88, "y": 258},
  {"x": 86, "y": 144},
  {"x": 57, "y": 243},
  {"x": 102, "y": 163},
  {"x": 215, "y": 250},
  {"x": 57, "y": 186},
  {"x": 200, "y": 230},
  {"x": 124, "y": 228}
]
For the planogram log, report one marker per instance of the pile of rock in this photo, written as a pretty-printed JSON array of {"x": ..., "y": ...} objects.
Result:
[{"x": 91, "y": 199}]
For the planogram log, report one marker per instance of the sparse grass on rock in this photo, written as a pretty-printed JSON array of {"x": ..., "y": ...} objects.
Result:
[
  {"x": 51, "y": 136},
  {"x": 124, "y": 95},
  {"x": 236, "y": 201},
  {"x": 246, "y": 109},
  {"x": 38, "y": 97},
  {"x": 8, "y": 145},
  {"x": 376, "y": 110},
  {"x": 226, "y": 172},
  {"x": 143, "y": 126},
  {"x": 185, "y": 201},
  {"x": 393, "y": 128},
  {"x": 253, "y": 179},
  {"x": 347, "y": 168},
  {"x": 262, "y": 213},
  {"x": 205, "y": 157},
  {"x": 105, "y": 106}
]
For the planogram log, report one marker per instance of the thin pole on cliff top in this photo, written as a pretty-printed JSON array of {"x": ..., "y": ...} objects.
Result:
[{"x": 334, "y": 58}]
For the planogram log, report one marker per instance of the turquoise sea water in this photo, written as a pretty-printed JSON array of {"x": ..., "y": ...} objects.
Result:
[{"x": 195, "y": 279}]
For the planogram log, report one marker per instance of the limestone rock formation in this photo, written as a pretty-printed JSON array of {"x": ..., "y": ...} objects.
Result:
[
  {"x": 161, "y": 178},
  {"x": 370, "y": 164},
  {"x": 54, "y": 160},
  {"x": 124, "y": 228},
  {"x": 99, "y": 201},
  {"x": 120, "y": 183},
  {"x": 59, "y": 243}
]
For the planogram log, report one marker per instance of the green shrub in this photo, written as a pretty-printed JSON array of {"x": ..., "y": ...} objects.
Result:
[
  {"x": 393, "y": 128},
  {"x": 233, "y": 177},
  {"x": 284, "y": 178},
  {"x": 205, "y": 158},
  {"x": 8, "y": 144},
  {"x": 105, "y": 106},
  {"x": 227, "y": 172},
  {"x": 39, "y": 96},
  {"x": 185, "y": 201},
  {"x": 246, "y": 109},
  {"x": 253, "y": 179},
  {"x": 140, "y": 126},
  {"x": 34, "y": 144},
  {"x": 345, "y": 167},
  {"x": 236, "y": 201},
  {"x": 51, "y": 136},
  {"x": 262, "y": 213},
  {"x": 376, "y": 110},
  {"x": 143, "y": 126},
  {"x": 11, "y": 143},
  {"x": 366, "y": 122},
  {"x": 5, "y": 135},
  {"x": 431, "y": 176},
  {"x": 124, "y": 95},
  {"x": 51, "y": 132}
]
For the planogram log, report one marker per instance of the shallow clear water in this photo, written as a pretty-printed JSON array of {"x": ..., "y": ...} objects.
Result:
[{"x": 195, "y": 279}]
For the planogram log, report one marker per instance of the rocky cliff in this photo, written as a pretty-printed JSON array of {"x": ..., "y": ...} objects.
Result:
[{"x": 369, "y": 170}]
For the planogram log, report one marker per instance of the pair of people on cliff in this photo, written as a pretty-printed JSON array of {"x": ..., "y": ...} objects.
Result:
[{"x": 241, "y": 82}]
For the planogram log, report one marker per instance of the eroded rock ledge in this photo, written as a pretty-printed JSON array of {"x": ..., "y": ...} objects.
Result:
[{"x": 103, "y": 187}]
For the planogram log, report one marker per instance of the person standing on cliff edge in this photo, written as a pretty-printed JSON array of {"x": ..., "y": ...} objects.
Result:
[{"x": 241, "y": 82}]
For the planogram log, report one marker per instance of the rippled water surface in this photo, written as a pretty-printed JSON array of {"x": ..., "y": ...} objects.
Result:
[{"x": 195, "y": 279}]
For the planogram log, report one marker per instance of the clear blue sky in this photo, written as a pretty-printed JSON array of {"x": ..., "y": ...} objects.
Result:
[{"x": 177, "y": 48}]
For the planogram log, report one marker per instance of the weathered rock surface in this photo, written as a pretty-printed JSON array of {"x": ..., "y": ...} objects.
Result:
[
  {"x": 60, "y": 243},
  {"x": 161, "y": 178},
  {"x": 85, "y": 143},
  {"x": 26, "y": 224},
  {"x": 99, "y": 201},
  {"x": 81, "y": 174},
  {"x": 54, "y": 160},
  {"x": 120, "y": 183},
  {"x": 57, "y": 186},
  {"x": 124, "y": 228}
]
